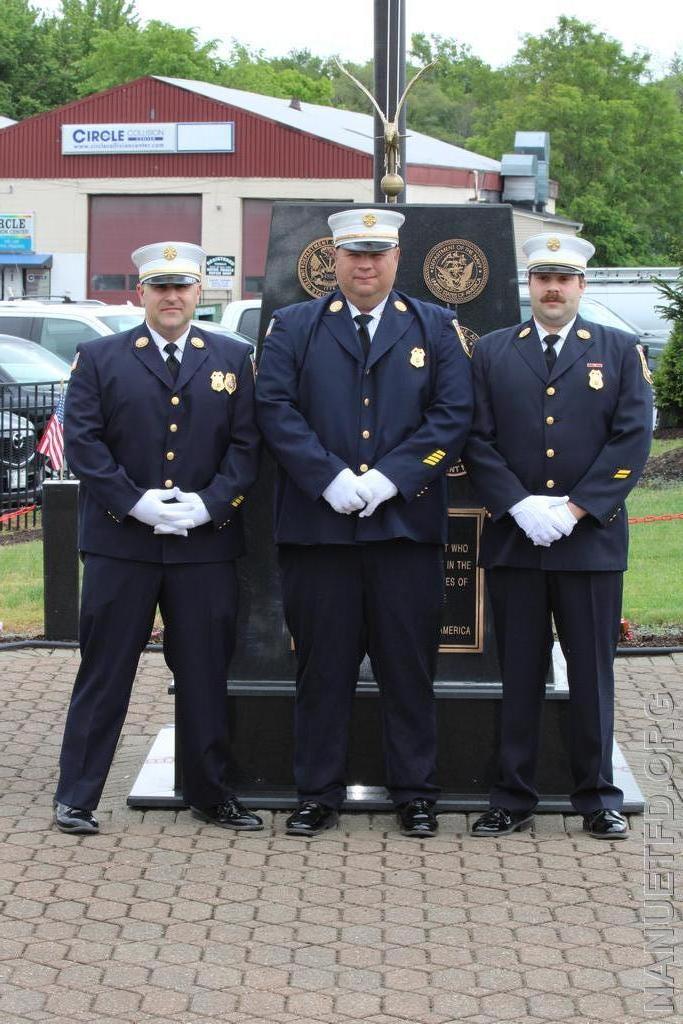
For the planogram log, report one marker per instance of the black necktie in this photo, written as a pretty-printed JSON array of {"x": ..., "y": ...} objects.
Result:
[
  {"x": 363, "y": 319},
  {"x": 550, "y": 353},
  {"x": 172, "y": 363}
]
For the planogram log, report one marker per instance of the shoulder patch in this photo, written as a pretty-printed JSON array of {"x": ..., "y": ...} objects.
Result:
[
  {"x": 461, "y": 338},
  {"x": 643, "y": 363}
]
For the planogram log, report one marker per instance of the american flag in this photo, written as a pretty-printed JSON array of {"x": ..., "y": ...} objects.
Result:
[{"x": 51, "y": 444}]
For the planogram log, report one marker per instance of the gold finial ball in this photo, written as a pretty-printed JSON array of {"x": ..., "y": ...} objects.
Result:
[{"x": 392, "y": 184}]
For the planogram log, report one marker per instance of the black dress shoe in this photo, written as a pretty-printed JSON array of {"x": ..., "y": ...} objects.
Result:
[
  {"x": 230, "y": 814},
  {"x": 417, "y": 818},
  {"x": 310, "y": 819},
  {"x": 606, "y": 824},
  {"x": 75, "y": 820},
  {"x": 499, "y": 821}
]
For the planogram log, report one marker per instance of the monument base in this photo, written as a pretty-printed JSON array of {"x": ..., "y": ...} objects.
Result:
[{"x": 468, "y": 718}]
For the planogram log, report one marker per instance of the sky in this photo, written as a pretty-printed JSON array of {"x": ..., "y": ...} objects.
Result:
[{"x": 493, "y": 31}]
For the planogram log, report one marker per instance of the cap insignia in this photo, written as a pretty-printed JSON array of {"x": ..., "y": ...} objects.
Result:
[
  {"x": 553, "y": 244},
  {"x": 170, "y": 253},
  {"x": 369, "y": 220}
]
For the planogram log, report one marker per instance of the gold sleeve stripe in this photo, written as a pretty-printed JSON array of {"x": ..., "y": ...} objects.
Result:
[
  {"x": 435, "y": 458},
  {"x": 236, "y": 502},
  {"x": 622, "y": 474}
]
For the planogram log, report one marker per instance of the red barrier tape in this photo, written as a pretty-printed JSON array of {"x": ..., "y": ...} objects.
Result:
[
  {"x": 19, "y": 512},
  {"x": 656, "y": 519}
]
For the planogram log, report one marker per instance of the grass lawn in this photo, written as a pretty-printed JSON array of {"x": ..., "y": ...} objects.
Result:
[
  {"x": 653, "y": 595},
  {"x": 21, "y": 593},
  {"x": 659, "y": 446}
]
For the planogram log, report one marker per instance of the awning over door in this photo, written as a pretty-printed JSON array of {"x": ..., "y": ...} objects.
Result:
[{"x": 25, "y": 259}]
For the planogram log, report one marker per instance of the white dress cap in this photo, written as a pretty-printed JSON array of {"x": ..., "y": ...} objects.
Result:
[
  {"x": 365, "y": 230},
  {"x": 169, "y": 263},
  {"x": 560, "y": 254}
]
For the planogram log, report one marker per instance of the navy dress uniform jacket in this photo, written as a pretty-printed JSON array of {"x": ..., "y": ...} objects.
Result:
[
  {"x": 129, "y": 427},
  {"x": 582, "y": 430},
  {"x": 322, "y": 409}
]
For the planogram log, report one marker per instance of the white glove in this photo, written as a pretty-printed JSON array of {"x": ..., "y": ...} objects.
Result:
[
  {"x": 195, "y": 513},
  {"x": 342, "y": 494},
  {"x": 562, "y": 515},
  {"x": 157, "y": 508},
  {"x": 374, "y": 488},
  {"x": 534, "y": 517}
]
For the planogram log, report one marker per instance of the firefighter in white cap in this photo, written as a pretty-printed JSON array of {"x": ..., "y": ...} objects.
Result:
[
  {"x": 561, "y": 433},
  {"x": 159, "y": 428},
  {"x": 365, "y": 399}
]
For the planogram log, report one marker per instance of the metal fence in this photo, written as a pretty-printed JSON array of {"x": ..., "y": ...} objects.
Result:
[{"x": 25, "y": 410}]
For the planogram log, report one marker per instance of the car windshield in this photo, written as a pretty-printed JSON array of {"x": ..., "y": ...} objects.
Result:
[
  {"x": 27, "y": 363},
  {"x": 122, "y": 321}
]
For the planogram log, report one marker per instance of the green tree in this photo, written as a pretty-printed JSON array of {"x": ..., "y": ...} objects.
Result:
[
  {"x": 616, "y": 138},
  {"x": 71, "y": 38},
  {"x": 668, "y": 378},
  {"x": 158, "y": 49},
  {"x": 250, "y": 70},
  {"x": 22, "y": 58}
]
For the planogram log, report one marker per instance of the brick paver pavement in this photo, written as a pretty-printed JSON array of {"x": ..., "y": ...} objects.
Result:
[{"x": 162, "y": 919}]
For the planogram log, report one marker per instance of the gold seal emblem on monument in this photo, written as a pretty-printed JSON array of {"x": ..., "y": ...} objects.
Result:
[
  {"x": 456, "y": 270},
  {"x": 315, "y": 268},
  {"x": 170, "y": 253}
]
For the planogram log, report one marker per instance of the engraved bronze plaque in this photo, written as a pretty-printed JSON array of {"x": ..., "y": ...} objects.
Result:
[
  {"x": 462, "y": 626},
  {"x": 315, "y": 268},
  {"x": 456, "y": 270}
]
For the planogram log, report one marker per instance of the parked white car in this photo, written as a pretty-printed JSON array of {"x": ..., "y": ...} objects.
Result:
[
  {"x": 243, "y": 315},
  {"x": 61, "y": 327}
]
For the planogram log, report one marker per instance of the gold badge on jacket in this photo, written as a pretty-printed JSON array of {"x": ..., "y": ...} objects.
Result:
[
  {"x": 217, "y": 381},
  {"x": 196, "y": 343},
  {"x": 583, "y": 334},
  {"x": 230, "y": 383},
  {"x": 417, "y": 357},
  {"x": 595, "y": 380}
]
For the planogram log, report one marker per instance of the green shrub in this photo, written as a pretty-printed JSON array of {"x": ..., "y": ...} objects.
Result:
[{"x": 668, "y": 378}]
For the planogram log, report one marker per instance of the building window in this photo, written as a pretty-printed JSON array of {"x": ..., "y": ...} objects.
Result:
[{"x": 108, "y": 282}]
